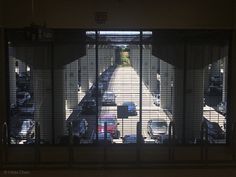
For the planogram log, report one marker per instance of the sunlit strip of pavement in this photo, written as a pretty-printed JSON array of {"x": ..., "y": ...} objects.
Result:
[{"x": 125, "y": 84}]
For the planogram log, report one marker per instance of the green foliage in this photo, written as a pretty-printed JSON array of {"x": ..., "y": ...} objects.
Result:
[{"x": 125, "y": 61}]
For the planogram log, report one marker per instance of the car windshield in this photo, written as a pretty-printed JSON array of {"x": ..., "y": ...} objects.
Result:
[
  {"x": 159, "y": 124},
  {"x": 25, "y": 125},
  {"x": 109, "y": 121},
  {"x": 108, "y": 94},
  {"x": 128, "y": 103},
  {"x": 90, "y": 103}
]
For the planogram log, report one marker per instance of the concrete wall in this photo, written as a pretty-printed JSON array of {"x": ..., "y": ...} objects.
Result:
[{"x": 121, "y": 13}]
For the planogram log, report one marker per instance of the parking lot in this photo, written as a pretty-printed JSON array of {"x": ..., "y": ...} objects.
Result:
[
  {"x": 123, "y": 82},
  {"x": 117, "y": 86}
]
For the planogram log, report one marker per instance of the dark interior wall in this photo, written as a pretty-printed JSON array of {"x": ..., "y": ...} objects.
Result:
[
  {"x": 199, "y": 14},
  {"x": 232, "y": 65},
  {"x": 2, "y": 82},
  {"x": 1, "y": 13}
]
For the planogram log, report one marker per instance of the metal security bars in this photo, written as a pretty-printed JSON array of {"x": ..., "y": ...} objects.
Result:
[{"x": 165, "y": 84}]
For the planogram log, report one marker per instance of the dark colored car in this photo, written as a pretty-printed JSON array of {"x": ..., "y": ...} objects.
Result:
[
  {"x": 22, "y": 97},
  {"x": 89, "y": 106},
  {"x": 28, "y": 108},
  {"x": 158, "y": 129},
  {"x": 80, "y": 128},
  {"x": 131, "y": 139},
  {"x": 109, "y": 99},
  {"x": 111, "y": 121},
  {"x": 214, "y": 130},
  {"x": 214, "y": 90},
  {"x": 131, "y": 108}
]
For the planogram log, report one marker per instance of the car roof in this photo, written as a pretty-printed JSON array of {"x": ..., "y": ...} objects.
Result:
[
  {"x": 131, "y": 136},
  {"x": 158, "y": 120},
  {"x": 128, "y": 102}
]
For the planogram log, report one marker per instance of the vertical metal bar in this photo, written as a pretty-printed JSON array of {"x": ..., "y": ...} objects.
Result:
[
  {"x": 170, "y": 139},
  {"x": 70, "y": 147},
  {"x": 5, "y": 56},
  {"x": 171, "y": 132},
  {"x": 105, "y": 143},
  {"x": 5, "y": 141},
  {"x": 52, "y": 92},
  {"x": 138, "y": 138},
  {"x": 7, "y": 78},
  {"x": 105, "y": 131},
  {"x": 96, "y": 84},
  {"x": 37, "y": 143},
  {"x": 140, "y": 83},
  {"x": 184, "y": 96},
  {"x": 202, "y": 143},
  {"x": 230, "y": 136}
]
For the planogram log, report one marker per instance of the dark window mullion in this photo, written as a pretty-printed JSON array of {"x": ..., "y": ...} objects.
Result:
[
  {"x": 140, "y": 85},
  {"x": 96, "y": 83}
]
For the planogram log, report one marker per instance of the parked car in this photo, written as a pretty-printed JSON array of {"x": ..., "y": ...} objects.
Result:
[
  {"x": 111, "y": 121},
  {"x": 214, "y": 90},
  {"x": 28, "y": 108},
  {"x": 101, "y": 87},
  {"x": 26, "y": 129},
  {"x": 131, "y": 139},
  {"x": 33, "y": 141},
  {"x": 22, "y": 97},
  {"x": 109, "y": 98},
  {"x": 158, "y": 129},
  {"x": 217, "y": 80},
  {"x": 131, "y": 108},
  {"x": 222, "y": 107},
  {"x": 105, "y": 77},
  {"x": 101, "y": 138},
  {"x": 89, "y": 106},
  {"x": 156, "y": 99},
  {"x": 214, "y": 130},
  {"x": 80, "y": 128}
]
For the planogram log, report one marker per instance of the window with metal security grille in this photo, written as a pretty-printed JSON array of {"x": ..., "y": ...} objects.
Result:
[{"x": 119, "y": 87}]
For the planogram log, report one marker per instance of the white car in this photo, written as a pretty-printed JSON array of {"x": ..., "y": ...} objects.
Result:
[
  {"x": 156, "y": 99},
  {"x": 26, "y": 128},
  {"x": 109, "y": 98},
  {"x": 222, "y": 107},
  {"x": 22, "y": 97}
]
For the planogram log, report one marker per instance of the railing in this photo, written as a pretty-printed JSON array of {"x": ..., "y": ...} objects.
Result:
[
  {"x": 138, "y": 147},
  {"x": 5, "y": 139},
  {"x": 172, "y": 136}
]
